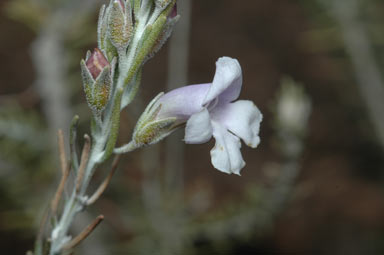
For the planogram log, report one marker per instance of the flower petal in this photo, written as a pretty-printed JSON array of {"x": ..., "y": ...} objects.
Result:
[
  {"x": 242, "y": 118},
  {"x": 227, "y": 81},
  {"x": 183, "y": 102},
  {"x": 226, "y": 155},
  {"x": 198, "y": 129}
]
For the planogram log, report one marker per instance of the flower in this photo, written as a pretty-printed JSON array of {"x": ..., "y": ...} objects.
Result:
[{"x": 208, "y": 110}]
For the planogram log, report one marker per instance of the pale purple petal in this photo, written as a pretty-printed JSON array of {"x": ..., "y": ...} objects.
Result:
[
  {"x": 198, "y": 129},
  {"x": 183, "y": 102},
  {"x": 227, "y": 82},
  {"x": 242, "y": 118},
  {"x": 226, "y": 155}
]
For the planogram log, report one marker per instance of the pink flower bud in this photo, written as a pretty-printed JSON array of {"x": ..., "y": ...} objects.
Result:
[
  {"x": 174, "y": 11},
  {"x": 96, "y": 63},
  {"x": 122, "y": 4}
]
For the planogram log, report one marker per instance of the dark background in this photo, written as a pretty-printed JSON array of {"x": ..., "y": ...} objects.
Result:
[{"x": 336, "y": 205}]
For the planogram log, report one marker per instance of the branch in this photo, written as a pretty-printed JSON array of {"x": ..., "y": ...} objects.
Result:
[
  {"x": 84, "y": 234},
  {"x": 83, "y": 162},
  {"x": 65, "y": 169},
  {"x": 103, "y": 186},
  {"x": 63, "y": 157}
]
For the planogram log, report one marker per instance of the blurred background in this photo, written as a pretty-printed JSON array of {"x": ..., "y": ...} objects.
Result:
[{"x": 315, "y": 69}]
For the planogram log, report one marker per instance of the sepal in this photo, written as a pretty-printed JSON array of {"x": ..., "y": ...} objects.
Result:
[
  {"x": 97, "y": 92},
  {"x": 153, "y": 132},
  {"x": 151, "y": 34},
  {"x": 149, "y": 129},
  {"x": 163, "y": 37},
  {"x": 88, "y": 82},
  {"x": 97, "y": 81},
  {"x": 120, "y": 25},
  {"x": 171, "y": 9},
  {"x": 162, "y": 4},
  {"x": 150, "y": 111},
  {"x": 102, "y": 27},
  {"x": 103, "y": 41}
]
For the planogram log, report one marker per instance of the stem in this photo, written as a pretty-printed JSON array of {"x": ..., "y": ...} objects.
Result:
[
  {"x": 86, "y": 232},
  {"x": 134, "y": 48},
  {"x": 99, "y": 151},
  {"x": 125, "y": 148},
  {"x": 75, "y": 204}
]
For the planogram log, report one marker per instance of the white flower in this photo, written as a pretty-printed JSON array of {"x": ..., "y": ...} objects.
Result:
[{"x": 208, "y": 110}]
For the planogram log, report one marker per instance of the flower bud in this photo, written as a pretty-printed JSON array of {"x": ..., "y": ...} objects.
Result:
[
  {"x": 166, "y": 32},
  {"x": 120, "y": 23},
  {"x": 103, "y": 41},
  {"x": 151, "y": 128},
  {"x": 96, "y": 63},
  {"x": 122, "y": 5},
  {"x": 173, "y": 12},
  {"x": 97, "y": 79}
]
